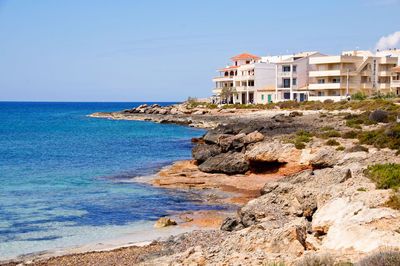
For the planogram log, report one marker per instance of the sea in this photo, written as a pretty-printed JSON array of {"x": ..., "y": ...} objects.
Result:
[{"x": 68, "y": 180}]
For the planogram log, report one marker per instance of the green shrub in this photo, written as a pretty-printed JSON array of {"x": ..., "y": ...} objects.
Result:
[
  {"x": 393, "y": 202},
  {"x": 381, "y": 258},
  {"x": 299, "y": 145},
  {"x": 382, "y": 138},
  {"x": 340, "y": 148},
  {"x": 358, "y": 148},
  {"x": 211, "y": 106},
  {"x": 350, "y": 134},
  {"x": 332, "y": 142},
  {"x": 327, "y": 128},
  {"x": 358, "y": 96},
  {"x": 361, "y": 189},
  {"x": 317, "y": 260},
  {"x": 384, "y": 175}
]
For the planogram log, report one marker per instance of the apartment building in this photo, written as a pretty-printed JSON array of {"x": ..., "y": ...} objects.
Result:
[
  {"x": 247, "y": 74},
  {"x": 335, "y": 77},
  {"x": 395, "y": 80},
  {"x": 292, "y": 74}
]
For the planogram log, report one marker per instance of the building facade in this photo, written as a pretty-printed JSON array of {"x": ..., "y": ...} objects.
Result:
[
  {"x": 292, "y": 77},
  {"x": 246, "y": 75},
  {"x": 335, "y": 77},
  {"x": 306, "y": 76},
  {"x": 395, "y": 80}
]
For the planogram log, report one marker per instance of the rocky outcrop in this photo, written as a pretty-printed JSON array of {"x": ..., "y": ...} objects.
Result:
[
  {"x": 241, "y": 143},
  {"x": 228, "y": 163},
  {"x": 201, "y": 152}
]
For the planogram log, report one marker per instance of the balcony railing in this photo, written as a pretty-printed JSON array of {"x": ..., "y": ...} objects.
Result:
[
  {"x": 224, "y": 78},
  {"x": 395, "y": 83},
  {"x": 323, "y": 98}
]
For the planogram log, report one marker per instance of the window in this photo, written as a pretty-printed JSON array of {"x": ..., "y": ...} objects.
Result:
[
  {"x": 251, "y": 83},
  {"x": 286, "y": 83},
  {"x": 294, "y": 68},
  {"x": 262, "y": 96},
  {"x": 336, "y": 80},
  {"x": 321, "y": 81},
  {"x": 294, "y": 81},
  {"x": 247, "y": 62},
  {"x": 286, "y": 68},
  {"x": 321, "y": 93}
]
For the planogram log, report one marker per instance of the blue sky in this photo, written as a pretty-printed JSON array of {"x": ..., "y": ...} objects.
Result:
[{"x": 75, "y": 50}]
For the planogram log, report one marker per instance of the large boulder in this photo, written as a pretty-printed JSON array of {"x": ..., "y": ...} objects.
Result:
[
  {"x": 274, "y": 151},
  {"x": 378, "y": 116},
  {"x": 228, "y": 163},
  {"x": 202, "y": 152},
  {"x": 227, "y": 142}
]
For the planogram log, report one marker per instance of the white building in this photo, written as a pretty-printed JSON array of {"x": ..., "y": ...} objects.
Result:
[
  {"x": 335, "y": 77},
  {"x": 292, "y": 77},
  {"x": 247, "y": 75}
]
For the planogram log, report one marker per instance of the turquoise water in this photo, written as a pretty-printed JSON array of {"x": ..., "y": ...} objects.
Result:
[{"x": 62, "y": 175}]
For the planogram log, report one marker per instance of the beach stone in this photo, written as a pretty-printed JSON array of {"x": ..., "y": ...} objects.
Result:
[
  {"x": 228, "y": 163},
  {"x": 163, "y": 222},
  {"x": 202, "y": 152}
]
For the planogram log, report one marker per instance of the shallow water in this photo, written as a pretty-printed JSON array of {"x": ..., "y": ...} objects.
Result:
[{"x": 62, "y": 175}]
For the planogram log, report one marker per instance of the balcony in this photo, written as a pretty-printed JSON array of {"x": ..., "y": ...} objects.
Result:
[
  {"x": 325, "y": 86},
  {"x": 366, "y": 73},
  {"x": 333, "y": 59},
  {"x": 245, "y": 77},
  {"x": 388, "y": 60},
  {"x": 395, "y": 84},
  {"x": 366, "y": 85},
  {"x": 245, "y": 88},
  {"x": 225, "y": 78},
  {"x": 384, "y": 85},
  {"x": 384, "y": 73},
  {"x": 286, "y": 74},
  {"x": 217, "y": 90},
  {"x": 323, "y": 98},
  {"x": 325, "y": 73}
]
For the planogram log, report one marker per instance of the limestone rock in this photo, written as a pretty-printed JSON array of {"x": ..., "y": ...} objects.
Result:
[
  {"x": 163, "y": 222},
  {"x": 253, "y": 137},
  {"x": 274, "y": 152}
]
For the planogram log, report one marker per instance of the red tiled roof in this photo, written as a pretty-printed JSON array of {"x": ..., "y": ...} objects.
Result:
[
  {"x": 226, "y": 68},
  {"x": 245, "y": 56}
]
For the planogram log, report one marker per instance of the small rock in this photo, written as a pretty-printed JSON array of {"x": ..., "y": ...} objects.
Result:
[
  {"x": 229, "y": 223},
  {"x": 295, "y": 113},
  {"x": 163, "y": 222}
]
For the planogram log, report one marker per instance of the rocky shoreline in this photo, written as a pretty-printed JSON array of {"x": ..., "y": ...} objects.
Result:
[{"x": 301, "y": 177}]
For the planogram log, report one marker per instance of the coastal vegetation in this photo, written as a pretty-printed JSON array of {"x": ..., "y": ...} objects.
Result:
[
  {"x": 299, "y": 139},
  {"x": 369, "y": 104},
  {"x": 388, "y": 137},
  {"x": 384, "y": 175}
]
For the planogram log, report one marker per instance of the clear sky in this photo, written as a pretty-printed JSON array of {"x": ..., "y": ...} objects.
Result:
[{"x": 87, "y": 50}]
